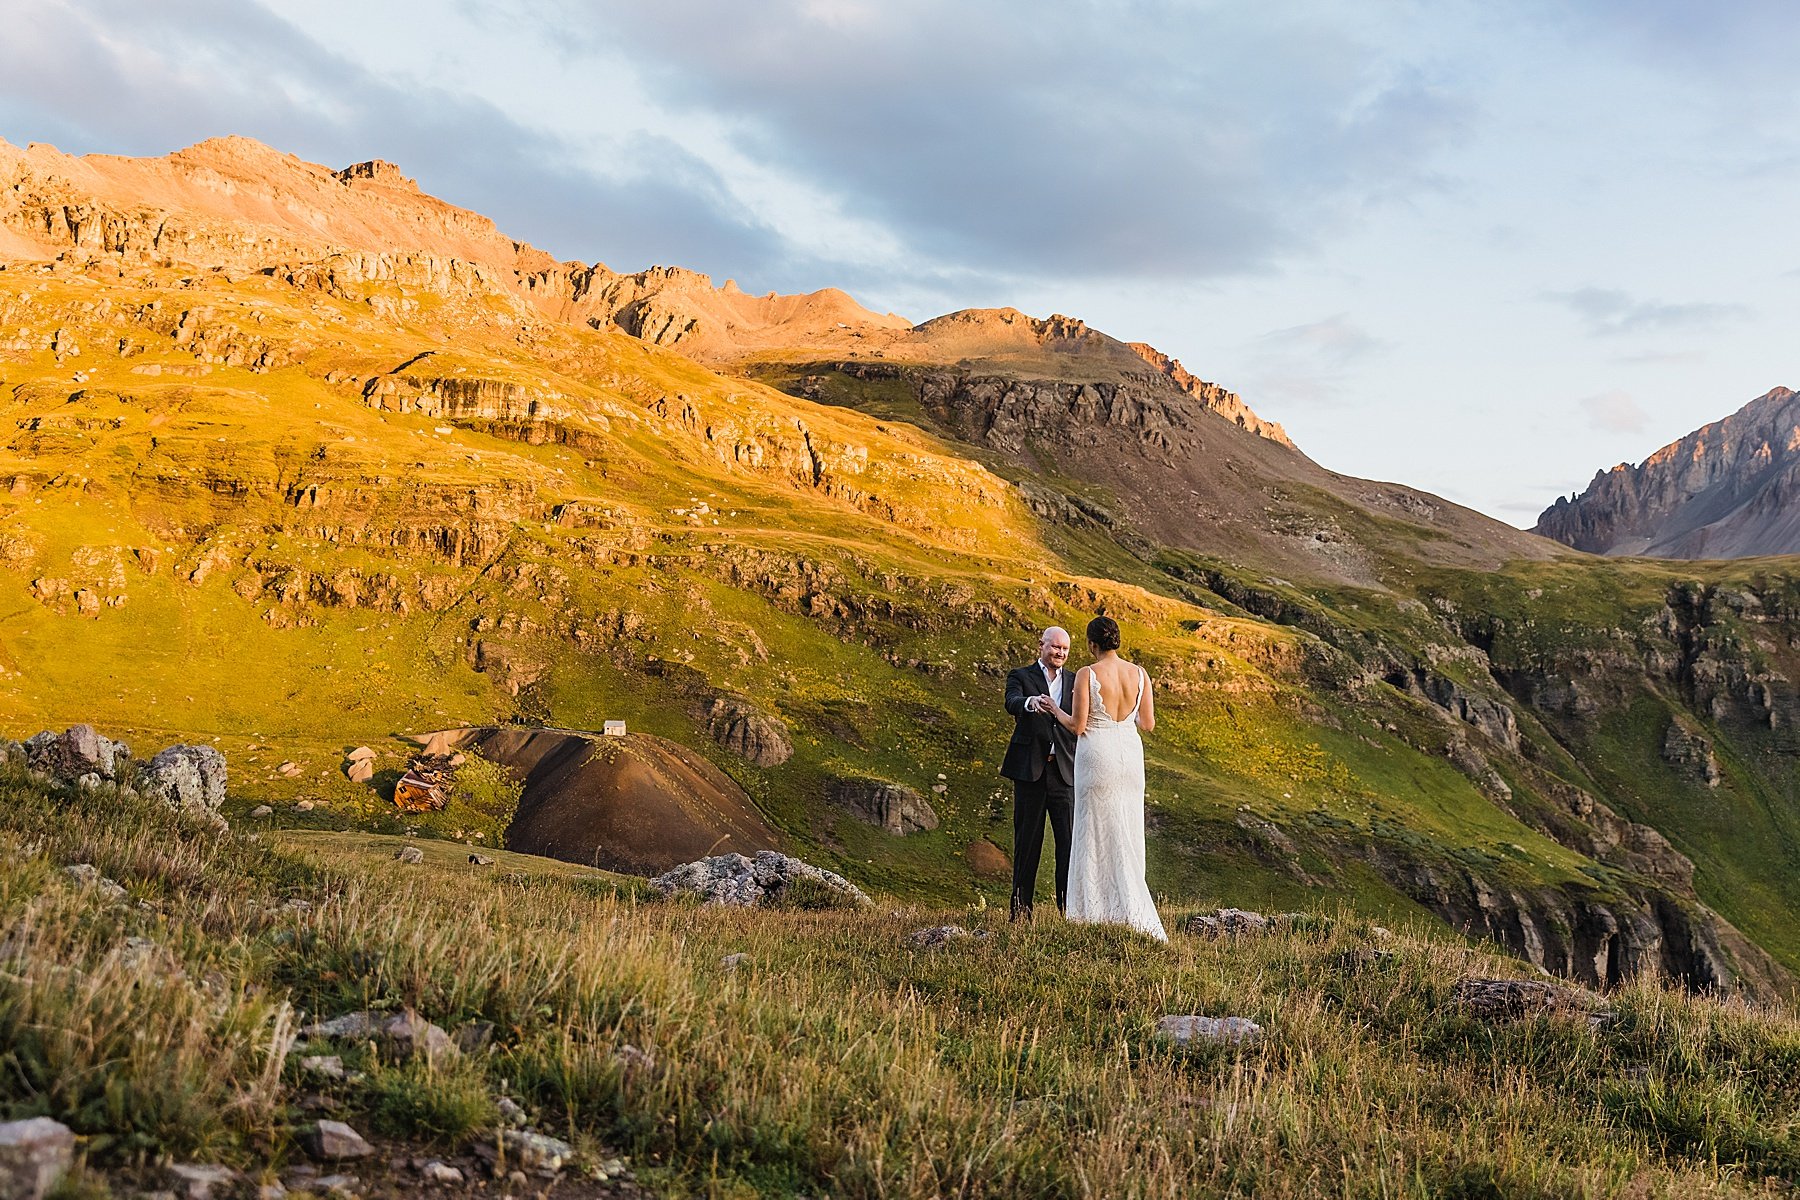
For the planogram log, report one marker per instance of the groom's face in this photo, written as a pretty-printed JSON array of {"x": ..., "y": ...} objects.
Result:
[{"x": 1054, "y": 649}]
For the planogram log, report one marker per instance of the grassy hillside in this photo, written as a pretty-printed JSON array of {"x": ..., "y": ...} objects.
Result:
[{"x": 831, "y": 1059}]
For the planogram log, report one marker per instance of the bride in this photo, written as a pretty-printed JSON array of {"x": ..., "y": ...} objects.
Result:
[{"x": 1106, "y": 868}]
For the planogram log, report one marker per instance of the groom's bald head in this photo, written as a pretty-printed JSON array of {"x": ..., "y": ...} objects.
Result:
[{"x": 1053, "y": 647}]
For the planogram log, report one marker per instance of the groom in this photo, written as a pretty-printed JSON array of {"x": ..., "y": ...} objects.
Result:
[{"x": 1040, "y": 760}]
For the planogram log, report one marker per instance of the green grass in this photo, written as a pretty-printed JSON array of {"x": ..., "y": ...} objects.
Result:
[{"x": 832, "y": 1059}]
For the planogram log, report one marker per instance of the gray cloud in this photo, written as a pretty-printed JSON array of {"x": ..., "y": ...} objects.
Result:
[
  {"x": 1606, "y": 312},
  {"x": 1305, "y": 366},
  {"x": 1101, "y": 140},
  {"x": 114, "y": 76}
]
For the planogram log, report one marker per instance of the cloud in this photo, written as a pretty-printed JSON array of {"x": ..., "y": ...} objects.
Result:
[
  {"x": 1145, "y": 140},
  {"x": 1306, "y": 366},
  {"x": 126, "y": 78},
  {"x": 1615, "y": 412},
  {"x": 1607, "y": 312}
]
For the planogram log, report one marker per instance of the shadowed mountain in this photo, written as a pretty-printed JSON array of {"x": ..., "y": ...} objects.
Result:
[{"x": 1730, "y": 489}]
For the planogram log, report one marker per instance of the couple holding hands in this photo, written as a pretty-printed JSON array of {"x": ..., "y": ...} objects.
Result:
[{"x": 1073, "y": 760}]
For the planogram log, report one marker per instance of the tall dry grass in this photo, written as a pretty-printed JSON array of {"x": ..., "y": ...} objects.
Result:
[{"x": 832, "y": 1060}]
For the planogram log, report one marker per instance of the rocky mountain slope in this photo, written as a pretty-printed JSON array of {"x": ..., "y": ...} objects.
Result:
[
  {"x": 1730, "y": 489},
  {"x": 295, "y": 458}
]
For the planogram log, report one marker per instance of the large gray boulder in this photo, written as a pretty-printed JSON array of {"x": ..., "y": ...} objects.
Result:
[
  {"x": 75, "y": 752},
  {"x": 34, "y": 1155},
  {"x": 769, "y": 880},
  {"x": 186, "y": 777},
  {"x": 892, "y": 806}
]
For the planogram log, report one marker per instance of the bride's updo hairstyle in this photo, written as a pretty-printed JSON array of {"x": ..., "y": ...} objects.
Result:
[{"x": 1103, "y": 632}]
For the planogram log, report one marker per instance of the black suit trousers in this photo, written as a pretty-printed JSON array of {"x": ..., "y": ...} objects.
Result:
[{"x": 1033, "y": 800}]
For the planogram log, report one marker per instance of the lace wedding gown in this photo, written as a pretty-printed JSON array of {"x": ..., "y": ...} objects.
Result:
[{"x": 1106, "y": 868}]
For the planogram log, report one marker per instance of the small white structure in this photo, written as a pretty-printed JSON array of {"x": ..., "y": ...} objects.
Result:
[{"x": 613, "y": 729}]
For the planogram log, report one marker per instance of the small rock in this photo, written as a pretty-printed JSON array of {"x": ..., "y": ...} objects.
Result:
[
  {"x": 34, "y": 1156},
  {"x": 437, "y": 1172},
  {"x": 289, "y": 768},
  {"x": 529, "y": 1151},
  {"x": 512, "y": 1114},
  {"x": 304, "y": 806},
  {"x": 516, "y": 1179},
  {"x": 933, "y": 937},
  {"x": 360, "y": 771},
  {"x": 481, "y": 860},
  {"x": 333, "y": 1140},
  {"x": 262, "y": 810},
  {"x": 410, "y": 854},
  {"x": 1222, "y": 1031},
  {"x": 198, "y": 1181},
  {"x": 1228, "y": 922},
  {"x": 325, "y": 1066},
  {"x": 732, "y": 962},
  {"x": 271, "y": 1191},
  {"x": 766, "y": 879},
  {"x": 1359, "y": 959},
  {"x": 83, "y": 873},
  {"x": 186, "y": 778},
  {"x": 1505, "y": 999},
  {"x": 341, "y": 1185},
  {"x": 360, "y": 754},
  {"x": 633, "y": 1059}
]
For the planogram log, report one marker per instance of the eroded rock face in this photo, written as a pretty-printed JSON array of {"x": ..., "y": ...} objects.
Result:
[
  {"x": 894, "y": 807},
  {"x": 768, "y": 880},
  {"x": 75, "y": 752},
  {"x": 749, "y": 732}
]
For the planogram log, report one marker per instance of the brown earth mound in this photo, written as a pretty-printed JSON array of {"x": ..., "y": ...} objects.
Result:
[{"x": 638, "y": 804}]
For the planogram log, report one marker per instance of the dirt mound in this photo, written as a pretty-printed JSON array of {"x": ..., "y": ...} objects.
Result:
[{"x": 638, "y": 804}]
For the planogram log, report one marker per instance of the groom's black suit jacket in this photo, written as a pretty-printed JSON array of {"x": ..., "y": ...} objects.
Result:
[{"x": 1034, "y": 733}]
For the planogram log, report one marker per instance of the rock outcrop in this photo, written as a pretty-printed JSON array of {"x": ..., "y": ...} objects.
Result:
[
  {"x": 748, "y": 732},
  {"x": 769, "y": 880},
  {"x": 1730, "y": 489},
  {"x": 891, "y": 806}
]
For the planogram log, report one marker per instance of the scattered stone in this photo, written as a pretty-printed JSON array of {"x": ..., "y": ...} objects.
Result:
[
  {"x": 198, "y": 1181},
  {"x": 1220, "y": 1031},
  {"x": 511, "y": 1113},
  {"x": 325, "y": 1066},
  {"x": 402, "y": 1035},
  {"x": 766, "y": 880},
  {"x": 333, "y": 1140},
  {"x": 1228, "y": 922},
  {"x": 361, "y": 771},
  {"x": 342, "y": 1185},
  {"x": 438, "y": 1172},
  {"x": 34, "y": 1155},
  {"x": 261, "y": 811},
  {"x": 732, "y": 962},
  {"x": 304, "y": 806},
  {"x": 272, "y": 1190},
  {"x": 481, "y": 860},
  {"x": 186, "y": 778},
  {"x": 289, "y": 768},
  {"x": 1381, "y": 932},
  {"x": 87, "y": 875},
  {"x": 360, "y": 754},
  {"x": 1508, "y": 999},
  {"x": 75, "y": 752},
  {"x": 892, "y": 806},
  {"x": 527, "y": 1151},
  {"x": 933, "y": 937},
  {"x": 410, "y": 854}
]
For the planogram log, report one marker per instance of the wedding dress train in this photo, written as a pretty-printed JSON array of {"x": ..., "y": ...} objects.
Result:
[{"x": 1106, "y": 868}]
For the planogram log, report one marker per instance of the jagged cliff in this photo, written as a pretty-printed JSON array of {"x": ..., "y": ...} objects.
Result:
[{"x": 1728, "y": 490}]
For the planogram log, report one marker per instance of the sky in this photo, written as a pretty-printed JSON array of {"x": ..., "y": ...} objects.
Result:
[{"x": 1485, "y": 250}]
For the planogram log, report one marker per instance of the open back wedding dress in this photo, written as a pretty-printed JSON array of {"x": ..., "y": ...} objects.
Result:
[{"x": 1106, "y": 868}]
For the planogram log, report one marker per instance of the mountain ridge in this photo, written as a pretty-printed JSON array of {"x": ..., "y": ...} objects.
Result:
[{"x": 1730, "y": 489}]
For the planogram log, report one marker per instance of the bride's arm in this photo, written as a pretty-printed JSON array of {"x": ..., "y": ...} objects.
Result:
[
  {"x": 1147, "y": 707},
  {"x": 1076, "y": 722}
]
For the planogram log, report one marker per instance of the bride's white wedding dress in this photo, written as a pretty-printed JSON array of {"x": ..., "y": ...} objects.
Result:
[{"x": 1106, "y": 867}]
